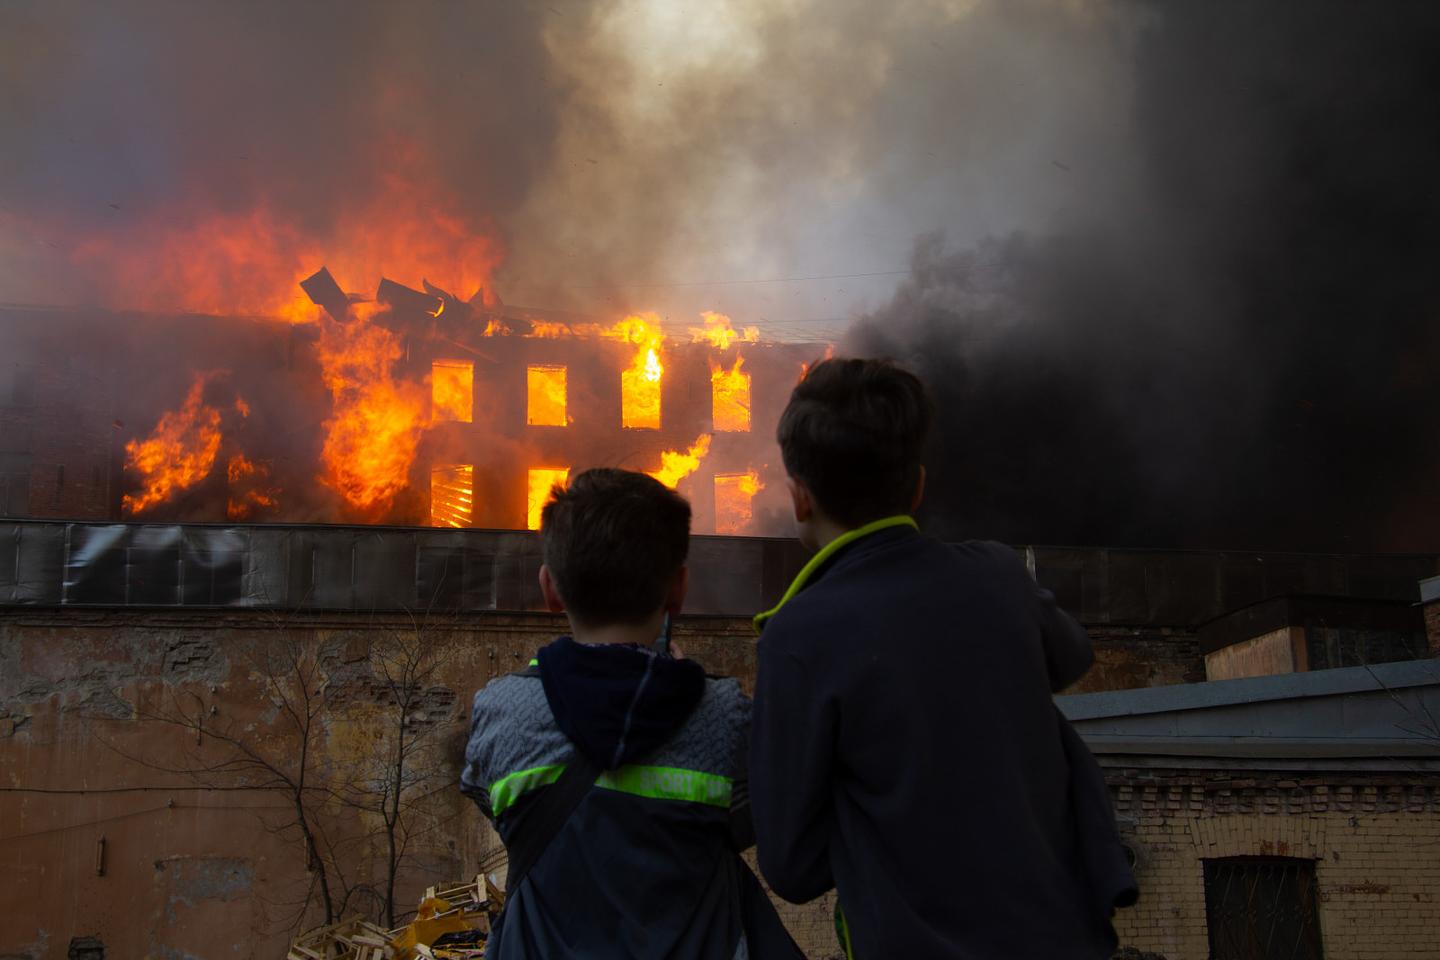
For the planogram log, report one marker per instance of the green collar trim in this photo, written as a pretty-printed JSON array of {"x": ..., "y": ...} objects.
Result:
[{"x": 823, "y": 557}]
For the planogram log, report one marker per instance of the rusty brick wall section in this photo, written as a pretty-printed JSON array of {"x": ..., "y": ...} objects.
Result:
[
  {"x": 1374, "y": 842},
  {"x": 1432, "y": 627},
  {"x": 1131, "y": 657}
]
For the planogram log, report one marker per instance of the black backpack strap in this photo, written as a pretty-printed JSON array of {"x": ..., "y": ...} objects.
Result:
[{"x": 540, "y": 822}]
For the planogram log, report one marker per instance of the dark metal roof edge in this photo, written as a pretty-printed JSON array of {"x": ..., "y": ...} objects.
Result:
[
  {"x": 1180, "y": 698},
  {"x": 1397, "y": 749}
]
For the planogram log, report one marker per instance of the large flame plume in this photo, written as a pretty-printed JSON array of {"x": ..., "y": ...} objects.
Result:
[
  {"x": 179, "y": 453},
  {"x": 676, "y": 465},
  {"x": 376, "y": 421},
  {"x": 250, "y": 262}
]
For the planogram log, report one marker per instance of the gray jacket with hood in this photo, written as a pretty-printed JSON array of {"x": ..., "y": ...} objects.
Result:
[{"x": 647, "y": 866}]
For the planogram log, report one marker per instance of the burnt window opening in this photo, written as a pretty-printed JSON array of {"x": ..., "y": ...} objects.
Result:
[{"x": 1262, "y": 908}]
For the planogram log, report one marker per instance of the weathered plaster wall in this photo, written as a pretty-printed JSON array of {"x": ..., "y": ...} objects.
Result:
[{"x": 193, "y": 872}]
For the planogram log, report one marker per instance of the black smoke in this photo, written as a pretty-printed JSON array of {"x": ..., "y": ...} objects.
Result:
[{"x": 1243, "y": 356}]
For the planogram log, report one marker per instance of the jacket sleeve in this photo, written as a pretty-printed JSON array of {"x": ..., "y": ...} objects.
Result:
[
  {"x": 791, "y": 797},
  {"x": 1068, "y": 653}
]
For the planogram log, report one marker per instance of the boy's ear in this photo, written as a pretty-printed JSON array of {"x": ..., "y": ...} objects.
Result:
[
  {"x": 681, "y": 586},
  {"x": 800, "y": 499},
  {"x": 919, "y": 492},
  {"x": 553, "y": 602}
]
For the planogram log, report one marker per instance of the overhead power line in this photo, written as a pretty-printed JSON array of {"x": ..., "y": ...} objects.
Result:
[{"x": 726, "y": 283}]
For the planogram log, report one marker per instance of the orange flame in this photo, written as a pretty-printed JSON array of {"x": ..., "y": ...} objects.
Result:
[
  {"x": 249, "y": 488},
  {"x": 805, "y": 367},
  {"x": 545, "y": 396},
  {"x": 178, "y": 454},
  {"x": 376, "y": 421},
  {"x": 734, "y": 493},
  {"x": 730, "y": 397},
  {"x": 719, "y": 333},
  {"x": 452, "y": 496},
  {"x": 542, "y": 481},
  {"x": 676, "y": 466},
  {"x": 193, "y": 259},
  {"x": 640, "y": 384},
  {"x": 452, "y": 391}
]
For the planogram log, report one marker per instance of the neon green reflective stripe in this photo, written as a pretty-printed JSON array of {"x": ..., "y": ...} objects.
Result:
[
  {"x": 659, "y": 783},
  {"x": 534, "y": 662},
  {"x": 826, "y": 552},
  {"x": 842, "y": 932},
  {"x": 668, "y": 783},
  {"x": 513, "y": 786}
]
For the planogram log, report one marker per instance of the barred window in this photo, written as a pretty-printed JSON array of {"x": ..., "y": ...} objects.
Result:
[{"x": 1262, "y": 908}]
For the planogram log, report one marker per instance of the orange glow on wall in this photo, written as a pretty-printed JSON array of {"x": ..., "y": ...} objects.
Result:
[
  {"x": 542, "y": 480},
  {"x": 452, "y": 391},
  {"x": 730, "y": 397},
  {"x": 545, "y": 396},
  {"x": 452, "y": 496},
  {"x": 734, "y": 493}
]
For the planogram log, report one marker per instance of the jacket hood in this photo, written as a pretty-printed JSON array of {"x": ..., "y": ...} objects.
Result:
[{"x": 617, "y": 702}]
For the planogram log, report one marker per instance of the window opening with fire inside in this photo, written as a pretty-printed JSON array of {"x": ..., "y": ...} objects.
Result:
[
  {"x": 452, "y": 391},
  {"x": 542, "y": 481},
  {"x": 545, "y": 387},
  {"x": 730, "y": 397},
  {"x": 734, "y": 494},
  {"x": 452, "y": 496},
  {"x": 640, "y": 391}
]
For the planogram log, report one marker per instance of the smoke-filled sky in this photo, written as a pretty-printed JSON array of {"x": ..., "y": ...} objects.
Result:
[
  {"x": 617, "y": 155},
  {"x": 1171, "y": 266}
]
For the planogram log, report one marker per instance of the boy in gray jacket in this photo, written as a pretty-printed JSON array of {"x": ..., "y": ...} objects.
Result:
[{"x": 646, "y": 864}]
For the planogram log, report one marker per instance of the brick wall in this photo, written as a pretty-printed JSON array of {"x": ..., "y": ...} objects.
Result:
[{"x": 1375, "y": 843}]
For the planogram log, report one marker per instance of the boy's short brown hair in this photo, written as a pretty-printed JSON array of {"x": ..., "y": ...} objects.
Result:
[
  {"x": 854, "y": 434},
  {"x": 614, "y": 541}
]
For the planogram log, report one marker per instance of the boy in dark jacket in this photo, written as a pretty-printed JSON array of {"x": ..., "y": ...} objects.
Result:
[
  {"x": 644, "y": 864},
  {"x": 905, "y": 749}
]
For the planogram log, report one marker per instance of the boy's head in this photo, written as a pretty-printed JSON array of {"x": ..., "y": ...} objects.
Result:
[
  {"x": 615, "y": 546},
  {"x": 852, "y": 438}
]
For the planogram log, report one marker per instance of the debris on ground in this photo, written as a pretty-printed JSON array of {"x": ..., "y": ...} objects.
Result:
[{"x": 451, "y": 923}]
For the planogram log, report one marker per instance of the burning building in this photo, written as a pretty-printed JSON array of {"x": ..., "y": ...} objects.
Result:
[{"x": 412, "y": 408}]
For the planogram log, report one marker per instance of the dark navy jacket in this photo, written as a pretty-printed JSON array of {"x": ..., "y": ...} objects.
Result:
[
  {"x": 647, "y": 865},
  {"x": 906, "y": 751}
]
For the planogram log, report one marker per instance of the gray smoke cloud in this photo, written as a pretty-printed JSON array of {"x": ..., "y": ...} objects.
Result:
[
  {"x": 1238, "y": 359},
  {"x": 1174, "y": 281}
]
